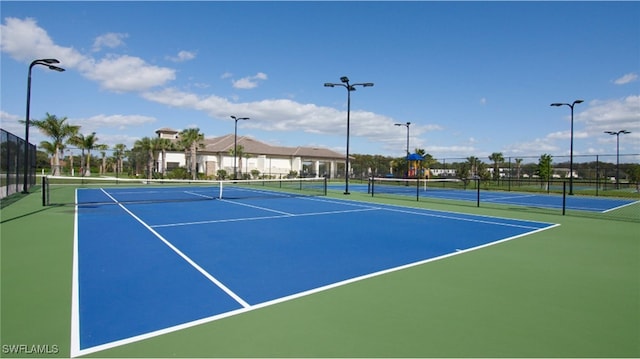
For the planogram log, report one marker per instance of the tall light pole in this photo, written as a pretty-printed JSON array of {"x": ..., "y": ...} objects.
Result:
[
  {"x": 235, "y": 144},
  {"x": 350, "y": 87},
  {"x": 571, "y": 150},
  {"x": 407, "y": 125},
  {"x": 48, "y": 63},
  {"x": 617, "y": 134}
]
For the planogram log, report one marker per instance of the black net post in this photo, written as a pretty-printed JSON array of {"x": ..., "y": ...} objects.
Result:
[
  {"x": 45, "y": 191},
  {"x": 564, "y": 197},
  {"x": 478, "y": 189}
]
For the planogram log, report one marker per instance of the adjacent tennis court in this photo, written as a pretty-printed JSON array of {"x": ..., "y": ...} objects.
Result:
[
  {"x": 456, "y": 190},
  {"x": 143, "y": 269}
]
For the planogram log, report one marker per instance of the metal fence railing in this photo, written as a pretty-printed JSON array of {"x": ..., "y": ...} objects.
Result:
[{"x": 12, "y": 164}]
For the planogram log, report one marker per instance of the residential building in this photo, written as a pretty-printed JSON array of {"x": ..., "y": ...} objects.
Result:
[{"x": 274, "y": 161}]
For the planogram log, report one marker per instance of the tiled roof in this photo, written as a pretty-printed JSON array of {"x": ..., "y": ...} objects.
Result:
[
  {"x": 251, "y": 146},
  {"x": 166, "y": 130}
]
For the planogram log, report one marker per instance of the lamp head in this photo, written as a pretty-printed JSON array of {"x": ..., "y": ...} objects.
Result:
[
  {"x": 578, "y": 101},
  {"x": 610, "y": 132},
  {"x": 625, "y": 132},
  {"x": 557, "y": 104},
  {"x": 56, "y": 68},
  {"x": 367, "y": 84},
  {"x": 344, "y": 79},
  {"x": 49, "y": 61},
  {"x": 328, "y": 84}
]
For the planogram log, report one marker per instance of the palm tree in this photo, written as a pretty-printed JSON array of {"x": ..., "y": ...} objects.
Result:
[
  {"x": 145, "y": 146},
  {"x": 473, "y": 165},
  {"x": 50, "y": 149},
  {"x": 118, "y": 153},
  {"x": 190, "y": 139},
  {"x": 239, "y": 155},
  {"x": 102, "y": 149},
  {"x": 88, "y": 142},
  {"x": 161, "y": 145},
  {"x": 518, "y": 168},
  {"x": 497, "y": 159},
  {"x": 60, "y": 132}
]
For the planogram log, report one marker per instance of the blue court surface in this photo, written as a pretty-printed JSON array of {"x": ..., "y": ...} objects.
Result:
[
  {"x": 551, "y": 201},
  {"x": 143, "y": 269}
]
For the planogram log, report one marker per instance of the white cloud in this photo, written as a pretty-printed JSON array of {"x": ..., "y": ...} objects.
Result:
[
  {"x": 11, "y": 123},
  {"x": 24, "y": 40},
  {"x": 625, "y": 79},
  {"x": 249, "y": 82},
  {"x": 611, "y": 115},
  {"x": 120, "y": 122},
  {"x": 127, "y": 73},
  {"x": 182, "y": 56},
  {"x": 110, "y": 40}
]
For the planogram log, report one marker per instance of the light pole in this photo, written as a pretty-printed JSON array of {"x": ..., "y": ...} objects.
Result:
[
  {"x": 617, "y": 134},
  {"x": 235, "y": 144},
  {"x": 407, "y": 125},
  {"x": 48, "y": 63},
  {"x": 571, "y": 149},
  {"x": 350, "y": 87}
]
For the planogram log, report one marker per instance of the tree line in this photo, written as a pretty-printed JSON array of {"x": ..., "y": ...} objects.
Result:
[{"x": 143, "y": 157}]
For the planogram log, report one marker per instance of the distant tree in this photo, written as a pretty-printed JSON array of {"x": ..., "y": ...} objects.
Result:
[
  {"x": 497, "y": 158},
  {"x": 59, "y": 131},
  {"x": 88, "y": 143},
  {"x": 518, "y": 167},
  {"x": 221, "y": 174},
  {"x": 103, "y": 148},
  {"x": 160, "y": 146},
  {"x": 544, "y": 170},
  {"x": 191, "y": 139},
  {"x": 143, "y": 153},
  {"x": 119, "y": 153}
]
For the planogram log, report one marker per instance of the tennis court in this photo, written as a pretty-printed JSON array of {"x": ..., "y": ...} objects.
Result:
[
  {"x": 248, "y": 271},
  {"x": 453, "y": 190},
  {"x": 144, "y": 269}
]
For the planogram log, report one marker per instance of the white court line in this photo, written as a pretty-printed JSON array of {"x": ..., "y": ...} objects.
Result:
[
  {"x": 508, "y": 197},
  {"x": 364, "y": 206},
  {"x": 185, "y": 257},
  {"x": 295, "y": 296},
  {"x": 261, "y": 218},
  {"x": 75, "y": 305},
  {"x": 624, "y": 205},
  {"x": 257, "y": 207}
]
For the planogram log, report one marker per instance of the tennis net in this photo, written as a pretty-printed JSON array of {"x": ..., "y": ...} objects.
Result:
[
  {"x": 60, "y": 190},
  {"x": 411, "y": 186}
]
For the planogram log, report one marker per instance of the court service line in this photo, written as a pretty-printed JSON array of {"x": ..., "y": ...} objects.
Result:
[
  {"x": 261, "y": 218},
  {"x": 464, "y": 219},
  {"x": 508, "y": 197},
  {"x": 257, "y": 207},
  {"x": 195, "y": 265},
  {"x": 434, "y": 213}
]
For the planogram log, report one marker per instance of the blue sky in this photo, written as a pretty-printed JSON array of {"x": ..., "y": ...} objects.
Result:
[{"x": 472, "y": 77}]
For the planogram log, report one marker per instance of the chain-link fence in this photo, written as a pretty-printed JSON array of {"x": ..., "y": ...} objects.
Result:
[
  {"x": 12, "y": 164},
  {"x": 603, "y": 186}
]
